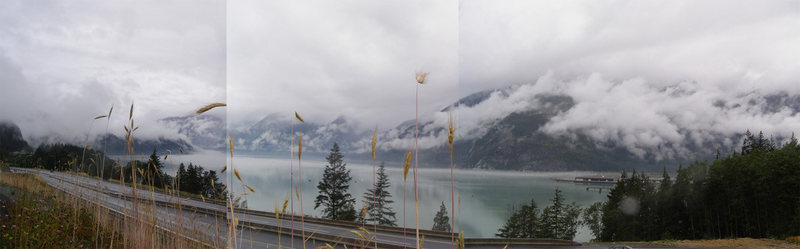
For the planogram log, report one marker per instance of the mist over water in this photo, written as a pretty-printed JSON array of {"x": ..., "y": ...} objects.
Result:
[{"x": 487, "y": 197}]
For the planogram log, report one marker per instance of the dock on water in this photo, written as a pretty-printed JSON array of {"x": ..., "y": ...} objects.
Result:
[{"x": 601, "y": 179}]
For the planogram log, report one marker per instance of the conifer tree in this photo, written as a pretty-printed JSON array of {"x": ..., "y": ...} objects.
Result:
[
  {"x": 336, "y": 202},
  {"x": 441, "y": 222},
  {"x": 560, "y": 220},
  {"x": 381, "y": 211}
]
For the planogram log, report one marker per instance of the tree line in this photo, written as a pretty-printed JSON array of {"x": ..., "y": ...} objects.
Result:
[
  {"x": 67, "y": 157},
  {"x": 559, "y": 220},
  {"x": 754, "y": 192}
]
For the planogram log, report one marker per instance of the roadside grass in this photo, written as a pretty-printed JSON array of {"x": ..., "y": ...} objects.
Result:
[
  {"x": 40, "y": 216},
  {"x": 36, "y": 217}
]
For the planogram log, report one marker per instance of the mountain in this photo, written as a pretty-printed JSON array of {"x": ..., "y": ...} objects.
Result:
[
  {"x": 11, "y": 139},
  {"x": 118, "y": 146},
  {"x": 515, "y": 142},
  {"x": 523, "y": 127},
  {"x": 273, "y": 134},
  {"x": 203, "y": 131}
]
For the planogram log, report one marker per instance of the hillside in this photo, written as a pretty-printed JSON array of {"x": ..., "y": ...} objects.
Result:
[{"x": 11, "y": 139}]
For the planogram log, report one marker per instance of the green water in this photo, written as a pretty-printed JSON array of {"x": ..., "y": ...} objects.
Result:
[{"x": 486, "y": 197}]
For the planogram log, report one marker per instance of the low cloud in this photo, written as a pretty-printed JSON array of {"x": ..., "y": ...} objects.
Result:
[{"x": 643, "y": 116}]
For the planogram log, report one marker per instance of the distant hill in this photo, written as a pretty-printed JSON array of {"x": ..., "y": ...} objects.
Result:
[
  {"x": 11, "y": 139},
  {"x": 118, "y": 146},
  {"x": 273, "y": 134},
  {"x": 203, "y": 131}
]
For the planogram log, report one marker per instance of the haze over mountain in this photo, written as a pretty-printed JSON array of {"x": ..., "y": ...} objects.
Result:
[
  {"x": 188, "y": 133},
  {"x": 589, "y": 123}
]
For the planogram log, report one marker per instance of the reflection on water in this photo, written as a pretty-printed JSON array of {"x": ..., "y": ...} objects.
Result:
[{"x": 487, "y": 197}]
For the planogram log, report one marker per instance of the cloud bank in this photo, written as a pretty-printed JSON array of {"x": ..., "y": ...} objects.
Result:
[{"x": 642, "y": 116}]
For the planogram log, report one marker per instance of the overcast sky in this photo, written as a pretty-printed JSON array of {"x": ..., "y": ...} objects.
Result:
[
  {"x": 744, "y": 45},
  {"x": 64, "y": 62},
  {"x": 324, "y": 59},
  {"x": 644, "y": 72}
]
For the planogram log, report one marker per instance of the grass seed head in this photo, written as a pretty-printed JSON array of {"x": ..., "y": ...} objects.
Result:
[
  {"x": 407, "y": 164},
  {"x": 230, "y": 142},
  {"x": 299, "y": 118},
  {"x": 451, "y": 134},
  {"x": 209, "y": 107},
  {"x": 248, "y": 187},
  {"x": 364, "y": 212},
  {"x": 285, "y": 203},
  {"x": 236, "y": 172},
  {"x": 421, "y": 77},
  {"x": 374, "y": 141}
]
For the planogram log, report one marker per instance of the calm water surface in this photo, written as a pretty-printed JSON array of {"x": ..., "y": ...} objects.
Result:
[{"x": 486, "y": 197}]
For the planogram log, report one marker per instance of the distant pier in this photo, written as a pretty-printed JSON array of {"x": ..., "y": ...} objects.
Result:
[{"x": 599, "y": 179}]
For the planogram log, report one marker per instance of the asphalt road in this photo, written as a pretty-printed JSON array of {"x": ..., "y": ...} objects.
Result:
[
  {"x": 116, "y": 197},
  {"x": 113, "y": 195}
]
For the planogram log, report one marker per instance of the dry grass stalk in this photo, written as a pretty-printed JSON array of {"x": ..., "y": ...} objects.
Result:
[
  {"x": 291, "y": 179},
  {"x": 450, "y": 137},
  {"x": 420, "y": 80}
]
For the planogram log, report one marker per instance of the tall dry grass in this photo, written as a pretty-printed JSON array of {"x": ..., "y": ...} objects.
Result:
[
  {"x": 374, "y": 187},
  {"x": 406, "y": 166},
  {"x": 420, "y": 77},
  {"x": 450, "y": 137},
  {"x": 300, "y": 177}
]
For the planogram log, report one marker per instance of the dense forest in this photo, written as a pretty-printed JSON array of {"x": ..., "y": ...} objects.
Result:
[{"x": 752, "y": 193}]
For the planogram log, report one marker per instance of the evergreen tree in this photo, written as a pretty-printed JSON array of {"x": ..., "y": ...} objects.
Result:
[
  {"x": 628, "y": 209},
  {"x": 529, "y": 221},
  {"x": 154, "y": 174},
  {"x": 441, "y": 222},
  {"x": 523, "y": 223},
  {"x": 664, "y": 207},
  {"x": 212, "y": 188},
  {"x": 381, "y": 210},
  {"x": 179, "y": 176},
  {"x": 560, "y": 220},
  {"x": 336, "y": 203},
  {"x": 593, "y": 218},
  {"x": 748, "y": 143},
  {"x": 512, "y": 227}
]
